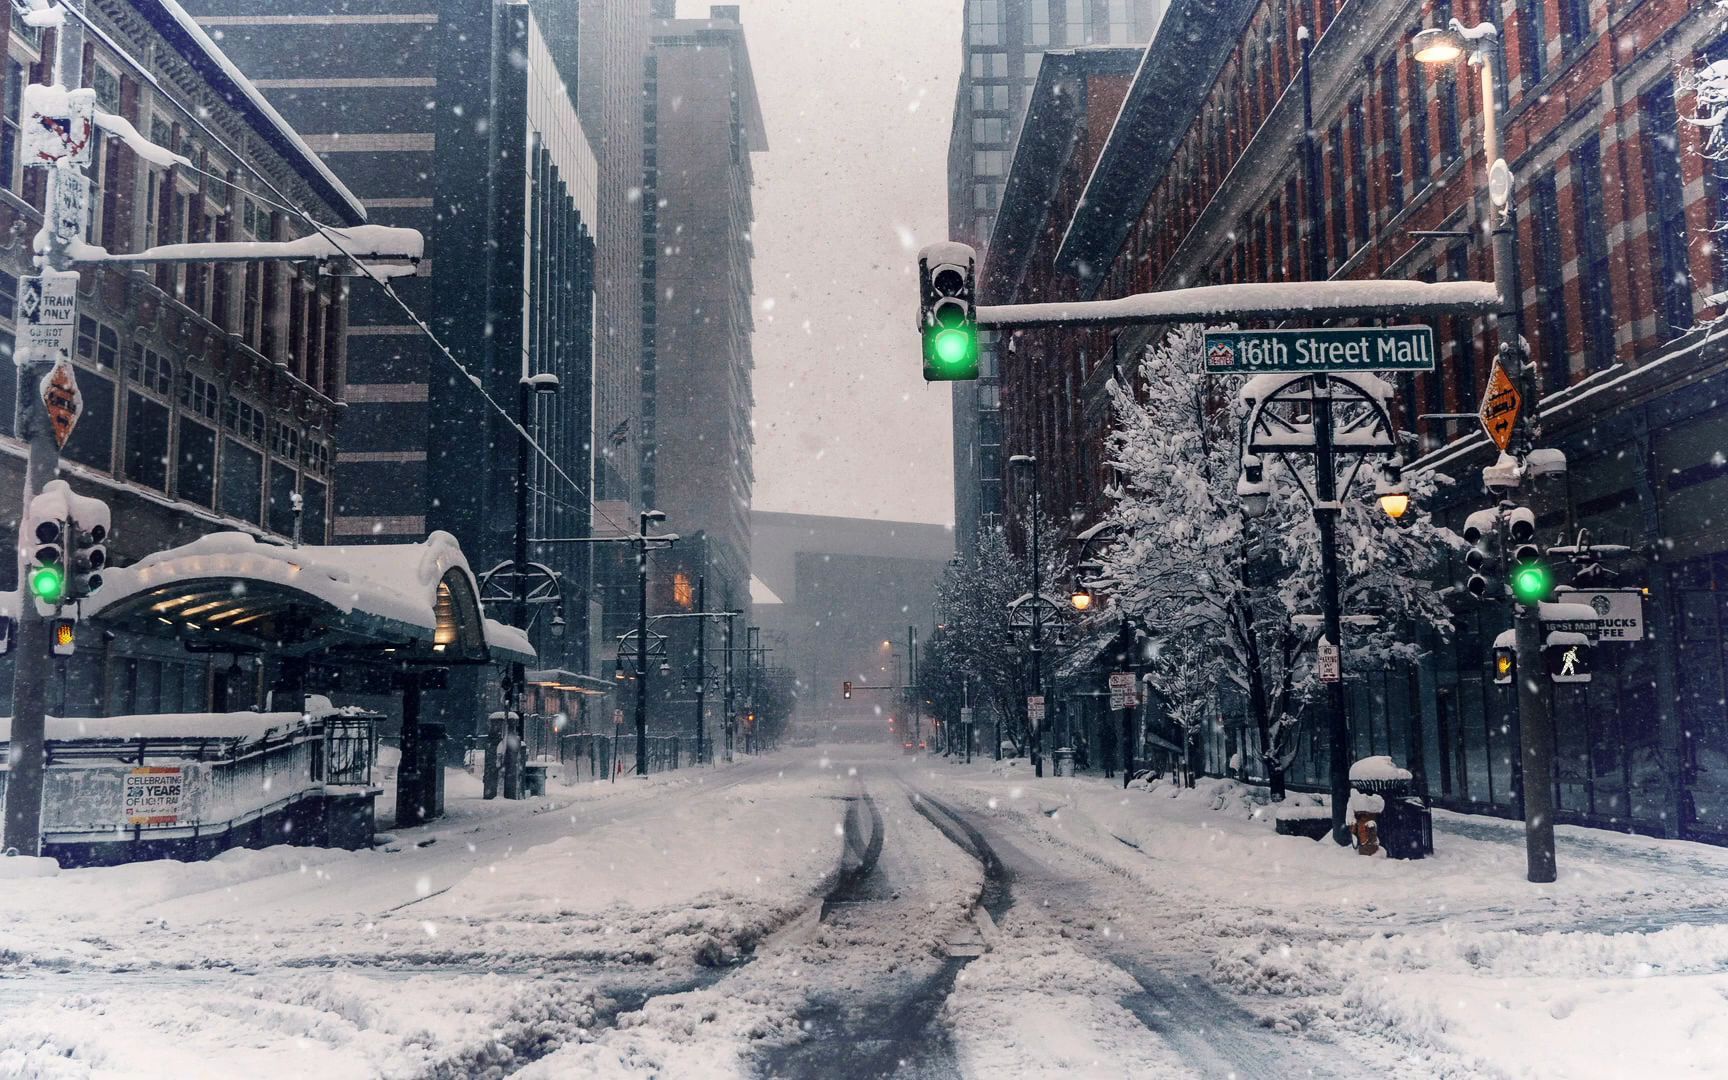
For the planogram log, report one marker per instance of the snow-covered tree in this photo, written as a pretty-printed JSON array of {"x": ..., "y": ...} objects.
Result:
[
  {"x": 1186, "y": 673},
  {"x": 972, "y": 600},
  {"x": 1190, "y": 565}
]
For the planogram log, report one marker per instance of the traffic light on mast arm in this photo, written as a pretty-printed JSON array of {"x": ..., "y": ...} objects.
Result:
[
  {"x": 948, "y": 311},
  {"x": 1482, "y": 533},
  {"x": 846, "y": 690},
  {"x": 1532, "y": 578}
]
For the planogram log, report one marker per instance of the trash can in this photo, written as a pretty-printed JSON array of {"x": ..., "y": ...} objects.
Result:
[
  {"x": 534, "y": 778},
  {"x": 1064, "y": 761},
  {"x": 1405, "y": 825}
]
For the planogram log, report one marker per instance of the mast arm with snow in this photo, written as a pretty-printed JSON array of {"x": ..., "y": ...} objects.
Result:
[{"x": 1274, "y": 300}]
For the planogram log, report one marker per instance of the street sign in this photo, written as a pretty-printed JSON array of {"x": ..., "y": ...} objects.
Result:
[
  {"x": 71, "y": 205},
  {"x": 59, "y": 124},
  {"x": 1619, "y": 612},
  {"x": 1332, "y": 349},
  {"x": 1035, "y": 708},
  {"x": 48, "y": 311},
  {"x": 966, "y": 714},
  {"x": 1330, "y": 662},
  {"x": 1122, "y": 690},
  {"x": 1501, "y": 403},
  {"x": 61, "y": 398}
]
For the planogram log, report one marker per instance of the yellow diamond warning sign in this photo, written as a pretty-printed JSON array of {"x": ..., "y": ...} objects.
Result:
[
  {"x": 1501, "y": 403},
  {"x": 61, "y": 398}
]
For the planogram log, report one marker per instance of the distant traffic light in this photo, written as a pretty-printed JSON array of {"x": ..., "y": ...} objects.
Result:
[
  {"x": 947, "y": 311},
  {"x": 846, "y": 690}
]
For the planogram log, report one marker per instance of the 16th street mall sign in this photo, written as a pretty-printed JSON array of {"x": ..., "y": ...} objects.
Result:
[{"x": 1341, "y": 349}]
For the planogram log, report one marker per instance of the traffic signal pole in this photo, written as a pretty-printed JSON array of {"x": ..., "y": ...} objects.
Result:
[{"x": 27, "y": 744}]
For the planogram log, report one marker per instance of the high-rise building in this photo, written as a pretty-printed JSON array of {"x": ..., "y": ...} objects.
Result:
[
  {"x": 458, "y": 120},
  {"x": 613, "y": 44},
  {"x": 703, "y": 123},
  {"x": 1005, "y": 40}
]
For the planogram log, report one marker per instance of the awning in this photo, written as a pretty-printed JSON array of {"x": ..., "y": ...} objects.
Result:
[{"x": 383, "y": 603}]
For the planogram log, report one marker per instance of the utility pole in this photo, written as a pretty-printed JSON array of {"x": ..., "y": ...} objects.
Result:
[
  {"x": 701, "y": 662},
  {"x": 731, "y": 713},
  {"x": 642, "y": 637},
  {"x": 912, "y": 684},
  {"x": 27, "y": 744}
]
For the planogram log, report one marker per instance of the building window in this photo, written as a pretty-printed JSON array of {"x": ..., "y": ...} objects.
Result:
[
  {"x": 990, "y": 65},
  {"x": 1418, "y": 113},
  {"x": 242, "y": 482},
  {"x": 1335, "y": 158},
  {"x": 989, "y": 129},
  {"x": 1672, "y": 275},
  {"x": 1359, "y": 171},
  {"x": 285, "y": 441},
  {"x": 151, "y": 371},
  {"x": 147, "y": 441},
  {"x": 1389, "y": 118},
  {"x": 984, "y": 19},
  {"x": 107, "y": 87},
  {"x": 1595, "y": 291},
  {"x": 1038, "y": 22},
  {"x": 1463, "y": 330},
  {"x": 195, "y": 475},
  {"x": 1446, "y": 94},
  {"x": 200, "y": 396},
  {"x": 1533, "y": 34},
  {"x": 1574, "y": 22},
  {"x": 1550, "y": 282},
  {"x": 245, "y": 420},
  {"x": 98, "y": 343},
  {"x": 987, "y": 162},
  {"x": 9, "y": 139}
]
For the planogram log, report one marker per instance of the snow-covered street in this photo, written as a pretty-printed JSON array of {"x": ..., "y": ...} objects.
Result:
[{"x": 845, "y": 912}]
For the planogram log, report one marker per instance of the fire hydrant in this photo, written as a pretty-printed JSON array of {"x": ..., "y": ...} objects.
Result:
[{"x": 1366, "y": 810}]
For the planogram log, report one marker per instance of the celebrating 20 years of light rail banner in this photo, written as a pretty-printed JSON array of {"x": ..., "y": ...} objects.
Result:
[{"x": 1332, "y": 349}]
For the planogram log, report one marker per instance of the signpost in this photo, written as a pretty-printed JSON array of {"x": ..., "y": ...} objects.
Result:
[
  {"x": 1501, "y": 404},
  {"x": 1314, "y": 349}
]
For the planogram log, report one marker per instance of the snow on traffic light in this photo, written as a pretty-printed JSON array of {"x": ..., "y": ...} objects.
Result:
[{"x": 947, "y": 311}]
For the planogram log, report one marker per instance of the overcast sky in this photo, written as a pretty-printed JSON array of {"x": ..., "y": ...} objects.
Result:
[{"x": 858, "y": 98}]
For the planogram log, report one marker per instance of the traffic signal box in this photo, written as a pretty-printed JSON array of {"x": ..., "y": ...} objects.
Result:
[
  {"x": 948, "y": 311},
  {"x": 1504, "y": 554},
  {"x": 1532, "y": 579},
  {"x": 1482, "y": 533},
  {"x": 846, "y": 690}
]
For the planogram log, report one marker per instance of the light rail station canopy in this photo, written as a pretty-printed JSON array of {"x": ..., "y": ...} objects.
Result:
[{"x": 378, "y": 603}]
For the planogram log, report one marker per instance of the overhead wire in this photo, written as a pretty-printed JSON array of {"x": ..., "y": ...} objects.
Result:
[{"x": 287, "y": 206}]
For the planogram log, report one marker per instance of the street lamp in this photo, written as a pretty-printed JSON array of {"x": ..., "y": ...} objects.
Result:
[
  {"x": 1389, "y": 486},
  {"x": 1081, "y": 599},
  {"x": 1437, "y": 45}
]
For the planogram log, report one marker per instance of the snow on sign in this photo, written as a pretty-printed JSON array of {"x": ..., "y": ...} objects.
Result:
[
  {"x": 59, "y": 125},
  {"x": 48, "y": 311},
  {"x": 152, "y": 795},
  {"x": 61, "y": 398},
  {"x": 1501, "y": 404},
  {"x": 1354, "y": 348}
]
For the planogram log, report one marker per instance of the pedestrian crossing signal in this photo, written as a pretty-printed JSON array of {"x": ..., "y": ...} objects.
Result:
[
  {"x": 1505, "y": 663},
  {"x": 65, "y": 637}
]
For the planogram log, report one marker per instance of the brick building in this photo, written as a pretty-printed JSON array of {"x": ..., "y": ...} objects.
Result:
[{"x": 1199, "y": 180}]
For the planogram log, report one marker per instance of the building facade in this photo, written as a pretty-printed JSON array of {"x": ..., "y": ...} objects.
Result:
[
  {"x": 1200, "y": 181},
  {"x": 704, "y": 122},
  {"x": 1003, "y": 45},
  {"x": 212, "y": 393},
  {"x": 459, "y": 120},
  {"x": 831, "y": 591}
]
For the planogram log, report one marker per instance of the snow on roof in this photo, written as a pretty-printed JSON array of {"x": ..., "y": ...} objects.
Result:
[
  {"x": 240, "y": 726},
  {"x": 184, "y": 33},
  {"x": 397, "y": 581}
]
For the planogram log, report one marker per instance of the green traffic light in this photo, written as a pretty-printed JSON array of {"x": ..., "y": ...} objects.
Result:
[
  {"x": 1532, "y": 582},
  {"x": 953, "y": 347},
  {"x": 48, "y": 584}
]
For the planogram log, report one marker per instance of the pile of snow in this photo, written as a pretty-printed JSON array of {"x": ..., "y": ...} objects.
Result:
[
  {"x": 1379, "y": 769},
  {"x": 20, "y": 867}
]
